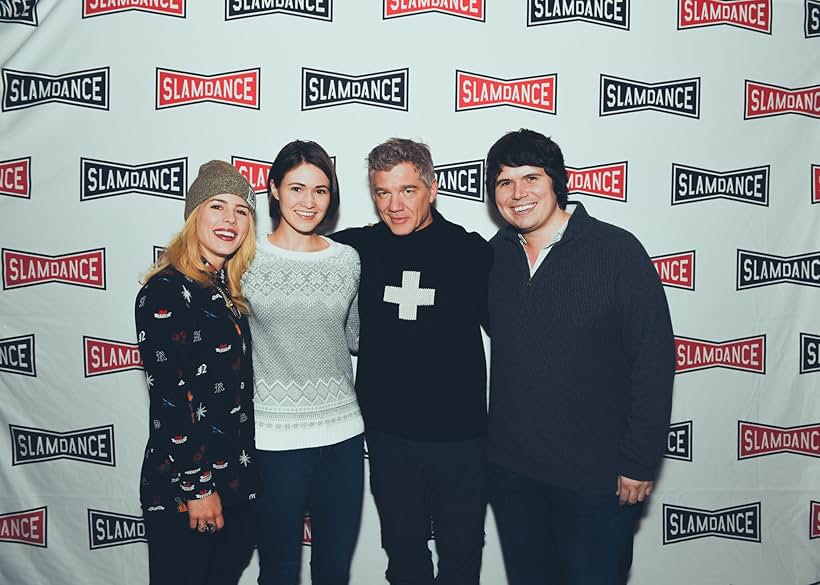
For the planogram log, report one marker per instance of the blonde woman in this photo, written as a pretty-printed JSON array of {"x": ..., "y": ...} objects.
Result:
[{"x": 198, "y": 475}]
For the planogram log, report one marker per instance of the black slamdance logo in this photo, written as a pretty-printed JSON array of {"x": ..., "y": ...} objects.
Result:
[
  {"x": 736, "y": 523},
  {"x": 809, "y": 353},
  {"x": 93, "y": 445},
  {"x": 88, "y": 89},
  {"x": 613, "y": 13},
  {"x": 756, "y": 269},
  {"x": 461, "y": 179},
  {"x": 158, "y": 252},
  {"x": 691, "y": 184},
  {"x": 19, "y": 11},
  {"x": 164, "y": 7},
  {"x": 811, "y": 21},
  {"x": 386, "y": 89},
  {"x": 106, "y": 529},
  {"x": 25, "y": 527},
  {"x": 315, "y": 9},
  {"x": 621, "y": 96},
  {"x": 17, "y": 355},
  {"x": 102, "y": 178},
  {"x": 679, "y": 441}
]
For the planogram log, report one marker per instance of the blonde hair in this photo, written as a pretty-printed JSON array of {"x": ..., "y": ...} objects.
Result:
[{"x": 184, "y": 254}]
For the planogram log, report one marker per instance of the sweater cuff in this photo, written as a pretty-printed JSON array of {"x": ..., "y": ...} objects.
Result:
[{"x": 635, "y": 470}]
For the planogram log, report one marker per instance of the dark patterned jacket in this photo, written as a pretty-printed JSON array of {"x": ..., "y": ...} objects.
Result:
[{"x": 197, "y": 359}]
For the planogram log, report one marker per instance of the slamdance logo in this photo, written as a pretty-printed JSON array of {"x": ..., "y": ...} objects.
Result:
[
  {"x": 691, "y": 184},
  {"x": 613, "y": 13},
  {"x": 759, "y": 440},
  {"x": 461, "y": 179},
  {"x": 158, "y": 252},
  {"x": 93, "y": 445},
  {"x": 679, "y": 441},
  {"x": 25, "y": 527},
  {"x": 24, "y": 89},
  {"x": 85, "y": 268},
  {"x": 815, "y": 183},
  {"x": 753, "y": 15},
  {"x": 107, "y": 529},
  {"x": 385, "y": 89},
  {"x": 747, "y": 354},
  {"x": 764, "y": 100},
  {"x": 814, "y": 520},
  {"x": 164, "y": 7},
  {"x": 315, "y": 9},
  {"x": 17, "y": 355},
  {"x": 105, "y": 356},
  {"x": 809, "y": 353},
  {"x": 471, "y": 9},
  {"x": 15, "y": 177},
  {"x": 307, "y": 531},
  {"x": 811, "y": 23},
  {"x": 606, "y": 181},
  {"x": 101, "y": 178},
  {"x": 621, "y": 96},
  {"x": 736, "y": 523},
  {"x": 180, "y": 88},
  {"x": 19, "y": 11},
  {"x": 255, "y": 171},
  {"x": 474, "y": 91},
  {"x": 676, "y": 270},
  {"x": 756, "y": 269}
]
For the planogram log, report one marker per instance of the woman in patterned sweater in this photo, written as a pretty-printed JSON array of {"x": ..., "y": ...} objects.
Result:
[
  {"x": 198, "y": 476},
  {"x": 302, "y": 289}
]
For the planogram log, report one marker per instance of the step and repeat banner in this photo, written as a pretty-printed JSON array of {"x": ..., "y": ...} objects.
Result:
[{"x": 692, "y": 123}]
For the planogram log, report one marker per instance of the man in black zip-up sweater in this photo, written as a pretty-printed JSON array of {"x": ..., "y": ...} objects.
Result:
[{"x": 582, "y": 364}]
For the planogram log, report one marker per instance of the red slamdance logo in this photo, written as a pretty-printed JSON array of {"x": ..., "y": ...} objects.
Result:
[
  {"x": 763, "y": 100},
  {"x": 105, "y": 356},
  {"x": 78, "y": 268},
  {"x": 307, "y": 532},
  {"x": 472, "y": 9},
  {"x": 676, "y": 270},
  {"x": 25, "y": 527},
  {"x": 753, "y": 15},
  {"x": 165, "y": 7},
  {"x": 15, "y": 177},
  {"x": 255, "y": 171},
  {"x": 814, "y": 522},
  {"x": 235, "y": 88},
  {"x": 536, "y": 93},
  {"x": 747, "y": 354},
  {"x": 607, "y": 181},
  {"x": 815, "y": 183},
  {"x": 758, "y": 440}
]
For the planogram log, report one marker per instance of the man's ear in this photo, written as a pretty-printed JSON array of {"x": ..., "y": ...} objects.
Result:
[{"x": 433, "y": 191}]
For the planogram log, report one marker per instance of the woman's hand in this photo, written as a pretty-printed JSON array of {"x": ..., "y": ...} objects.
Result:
[{"x": 206, "y": 514}]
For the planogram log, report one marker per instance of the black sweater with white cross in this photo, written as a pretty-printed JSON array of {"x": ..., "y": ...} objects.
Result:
[{"x": 421, "y": 372}]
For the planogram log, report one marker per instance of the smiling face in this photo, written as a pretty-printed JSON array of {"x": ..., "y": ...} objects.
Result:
[
  {"x": 525, "y": 199},
  {"x": 402, "y": 198},
  {"x": 304, "y": 197},
  {"x": 222, "y": 223}
]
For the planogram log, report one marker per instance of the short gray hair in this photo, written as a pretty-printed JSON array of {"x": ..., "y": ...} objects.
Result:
[{"x": 395, "y": 151}]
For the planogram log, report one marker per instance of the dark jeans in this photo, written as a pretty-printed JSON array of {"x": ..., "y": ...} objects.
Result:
[
  {"x": 329, "y": 483},
  {"x": 555, "y": 536},
  {"x": 414, "y": 482},
  {"x": 178, "y": 555}
]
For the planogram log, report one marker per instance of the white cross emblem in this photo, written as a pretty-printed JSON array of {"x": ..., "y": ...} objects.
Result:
[{"x": 409, "y": 297}]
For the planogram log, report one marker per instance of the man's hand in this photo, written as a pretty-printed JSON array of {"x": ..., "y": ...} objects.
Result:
[
  {"x": 632, "y": 491},
  {"x": 206, "y": 513}
]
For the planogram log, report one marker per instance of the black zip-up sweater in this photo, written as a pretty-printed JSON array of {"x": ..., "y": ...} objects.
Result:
[
  {"x": 425, "y": 378},
  {"x": 582, "y": 359}
]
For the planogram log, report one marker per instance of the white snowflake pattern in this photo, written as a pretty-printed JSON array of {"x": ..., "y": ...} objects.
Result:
[
  {"x": 186, "y": 294},
  {"x": 201, "y": 411},
  {"x": 149, "y": 379},
  {"x": 244, "y": 347},
  {"x": 244, "y": 458}
]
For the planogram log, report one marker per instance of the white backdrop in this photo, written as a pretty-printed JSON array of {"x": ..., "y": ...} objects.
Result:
[{"x": 715, "y": 170}]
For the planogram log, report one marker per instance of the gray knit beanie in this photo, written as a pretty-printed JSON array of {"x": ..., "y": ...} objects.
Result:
[{"x": 217, "y": 177}]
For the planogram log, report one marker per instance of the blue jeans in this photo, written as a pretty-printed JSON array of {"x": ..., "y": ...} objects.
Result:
[
  {"x": 556, "y": 536},
  {"x": 329, "y": 483}
]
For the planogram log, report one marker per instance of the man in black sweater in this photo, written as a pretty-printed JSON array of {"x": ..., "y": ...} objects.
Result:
[
  {"x": 421, "y": 374},
  {"x": 582, "y": 364}
]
